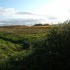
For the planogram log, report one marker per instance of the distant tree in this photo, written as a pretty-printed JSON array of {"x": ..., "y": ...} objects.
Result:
[
  {"x": 46, "y": 24},
  {"x": 38, "y": 24}
]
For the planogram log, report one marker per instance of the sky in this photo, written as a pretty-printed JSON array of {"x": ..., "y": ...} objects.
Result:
[{"x": 29, "y": 12}]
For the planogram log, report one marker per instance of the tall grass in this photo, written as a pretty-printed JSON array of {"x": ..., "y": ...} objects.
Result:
[{"x": 48, "y": 49}]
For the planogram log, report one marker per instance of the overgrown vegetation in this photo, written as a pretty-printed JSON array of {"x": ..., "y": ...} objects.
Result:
[{"x": 35, "y": 48}]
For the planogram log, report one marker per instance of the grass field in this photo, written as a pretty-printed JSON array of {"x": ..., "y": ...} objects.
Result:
[
  {"x": 34, "y": 47},
  {"x": 12, "y": 40}
]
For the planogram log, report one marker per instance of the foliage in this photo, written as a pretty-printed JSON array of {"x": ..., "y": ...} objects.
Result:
[{"x": 35, "y": 48}]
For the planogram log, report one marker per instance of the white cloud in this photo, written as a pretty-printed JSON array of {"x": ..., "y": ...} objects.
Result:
[
  {"x": 19, "y": 21},
  {"x": 56, "y": 8},
  {"x": 13, "y": 16},
  {"x": 7, "y": 11},
  {"x": 12, "y": 13}
]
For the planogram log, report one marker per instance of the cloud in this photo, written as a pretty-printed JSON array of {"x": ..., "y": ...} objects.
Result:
[
  {"x": 12, "y": 11},
  {"x": 11, "y": 16},
  {"x": 24, "y": 13},
  {"x": 17, "y": 14},
  {"x": 7, "y": 11},
  {"x": 56, "y": 8},
  {"x": 52, "y": 18},
  {"x": 19, "y": 21}
]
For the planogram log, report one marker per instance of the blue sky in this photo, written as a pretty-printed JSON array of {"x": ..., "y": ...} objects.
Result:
[
  {"x": 25, "y": 5},
  {"x": 44, "y": 11}
]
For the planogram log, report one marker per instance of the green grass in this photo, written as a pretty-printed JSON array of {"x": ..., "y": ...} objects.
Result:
[{"x": 35, "y": 48}]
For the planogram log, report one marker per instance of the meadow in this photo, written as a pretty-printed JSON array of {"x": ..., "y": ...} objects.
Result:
[{"x": 35, "y": 47}]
